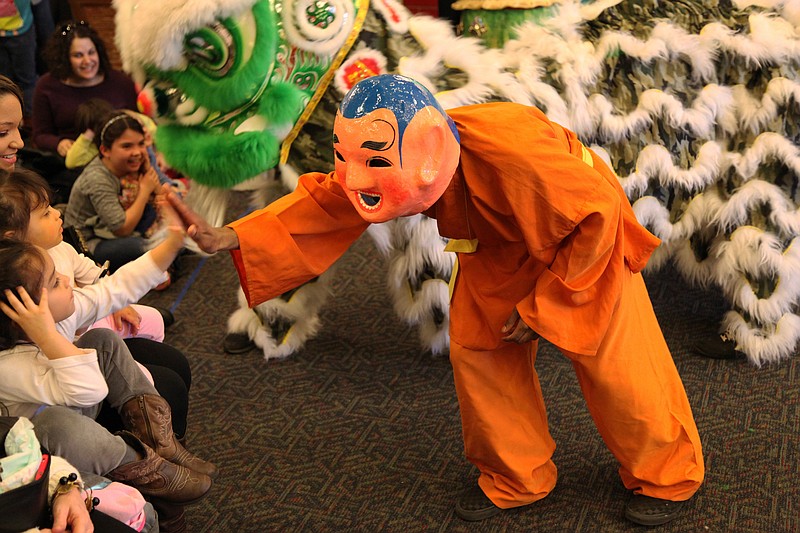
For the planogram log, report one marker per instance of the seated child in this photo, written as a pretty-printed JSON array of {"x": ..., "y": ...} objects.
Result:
[
  {"x": 89, "y": 115},
  {"x": 26, "y": 214},
  {"x": 40, "y": 367},
  {"x": 112, "y": 201}
]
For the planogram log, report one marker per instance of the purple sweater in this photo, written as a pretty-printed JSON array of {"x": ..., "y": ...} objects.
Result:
[{"x": 55, "y": 105}]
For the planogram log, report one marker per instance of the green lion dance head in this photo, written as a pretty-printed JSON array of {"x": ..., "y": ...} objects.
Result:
[{"x": 229, "y": 80}]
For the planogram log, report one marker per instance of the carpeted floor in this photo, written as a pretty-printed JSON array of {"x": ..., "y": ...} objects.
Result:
[{"x": 360, "y": 430}]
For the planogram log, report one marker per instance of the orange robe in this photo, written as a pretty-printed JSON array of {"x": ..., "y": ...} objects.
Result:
[{"x": 558, "y": 240}]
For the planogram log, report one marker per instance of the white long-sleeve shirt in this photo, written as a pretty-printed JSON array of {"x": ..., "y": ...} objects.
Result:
[
  {"x": 81, "y": 270},
  {"x": 28, "y": 380},
  {"x": 111, "y": 293}
]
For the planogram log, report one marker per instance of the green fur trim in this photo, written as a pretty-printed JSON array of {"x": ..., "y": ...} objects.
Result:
[
  {"x": 236, "y": 88},
  {"x": 217, "y": 160},
  {"x": 283, "y": 105}
]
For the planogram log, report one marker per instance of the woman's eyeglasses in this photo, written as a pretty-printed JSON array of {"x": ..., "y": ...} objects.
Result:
[{"x": 69, "y": 26}]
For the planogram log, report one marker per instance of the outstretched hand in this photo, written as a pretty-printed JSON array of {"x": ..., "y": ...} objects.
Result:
[
  {"x": 207, "y": 237},
  {"x": 516, "y": 330},
  {"x": 172, "y": 220}
]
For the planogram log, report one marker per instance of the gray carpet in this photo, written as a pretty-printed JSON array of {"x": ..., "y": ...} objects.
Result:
[{"x": 360, "y": 430}]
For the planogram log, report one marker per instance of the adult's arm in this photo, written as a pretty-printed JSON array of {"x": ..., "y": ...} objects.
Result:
[
  {"x": 210, "y": 239},
  {"x": 294, "y": 239},
  {"x": 69, "y": 508}
]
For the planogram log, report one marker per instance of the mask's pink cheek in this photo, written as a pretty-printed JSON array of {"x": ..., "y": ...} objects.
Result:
[{"x": 396, "y": 190}]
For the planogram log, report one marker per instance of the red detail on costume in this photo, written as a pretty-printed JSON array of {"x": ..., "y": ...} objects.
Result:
[
  {"x": 392, "y": 11},
  {"x": 144, "y": 103},
  {"x": 360, "y": 69}
]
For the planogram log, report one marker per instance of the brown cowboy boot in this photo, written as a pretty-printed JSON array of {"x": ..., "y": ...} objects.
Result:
[
  {"x": 156, "y": 477},
  {"x": 149, "y": 417}
]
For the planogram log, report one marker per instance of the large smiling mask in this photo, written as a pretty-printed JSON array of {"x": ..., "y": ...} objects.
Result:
[{"x": 395, "y": 147}]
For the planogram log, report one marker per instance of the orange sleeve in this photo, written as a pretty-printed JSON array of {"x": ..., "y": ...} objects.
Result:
[
  {"x": 575, "y": 296},
  {"x": 558, "y": 226},
  {"x": 295, "y": 238}
]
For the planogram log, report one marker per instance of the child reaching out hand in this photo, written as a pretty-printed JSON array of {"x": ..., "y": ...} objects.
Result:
[
  {"x": 22, "y": 388},
  {"x": 26, "y": 214},
  {"x": 40, "y": 367}
]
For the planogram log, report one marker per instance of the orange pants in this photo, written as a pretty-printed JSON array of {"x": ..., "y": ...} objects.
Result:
[{"x": 633, "y": 392}]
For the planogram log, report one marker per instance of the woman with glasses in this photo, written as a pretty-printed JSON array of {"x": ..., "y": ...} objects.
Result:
[{"x": 79, "y": 70}]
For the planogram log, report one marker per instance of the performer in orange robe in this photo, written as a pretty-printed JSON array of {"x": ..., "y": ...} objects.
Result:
[{"x": 547, "y": 245}]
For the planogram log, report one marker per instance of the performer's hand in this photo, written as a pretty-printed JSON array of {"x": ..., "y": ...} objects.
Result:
[
  {"x": 516, "y": 330},
  {"x": 209, "y": 238}
]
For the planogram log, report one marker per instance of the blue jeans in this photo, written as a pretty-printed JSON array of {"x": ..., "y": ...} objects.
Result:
[
  {"x": 119, "y": 251},
  {"x": 18, "y": 62}
]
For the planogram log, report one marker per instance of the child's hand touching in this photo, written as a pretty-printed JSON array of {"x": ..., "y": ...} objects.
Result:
[
  {"x": 172, "y": 221},
  {"x": 165, "y": 253},
  {"x": 35, "y": 320},
  {"x": 38, "y": 324},
  {"x": 129, "y": 316}
]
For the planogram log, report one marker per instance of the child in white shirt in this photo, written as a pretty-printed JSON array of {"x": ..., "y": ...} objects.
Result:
[
  {"x": 30, "y": 377},
  {"x": 27, "y": 215}
]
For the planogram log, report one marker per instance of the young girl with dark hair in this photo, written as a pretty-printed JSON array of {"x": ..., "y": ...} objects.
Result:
[
  {"x": 26, "y": 214},
  {"x": 112, "y": 200},
  {"x": 39, "y": 367}
]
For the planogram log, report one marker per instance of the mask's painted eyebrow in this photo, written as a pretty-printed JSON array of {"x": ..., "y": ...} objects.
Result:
[{"x": 378, "y": 146}]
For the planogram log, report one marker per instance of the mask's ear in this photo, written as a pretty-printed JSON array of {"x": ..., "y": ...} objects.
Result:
[{"x": 434, "y": 147}]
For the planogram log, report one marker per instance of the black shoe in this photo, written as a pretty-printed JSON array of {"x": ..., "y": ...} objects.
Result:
[
  {"x": 718, "y": 347},
  {"x": 474, "y": 505},
  {"x": 166, "y": 315},
  {"x": 648, "y": 511},
  {"x": 236, "y": 343}
]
